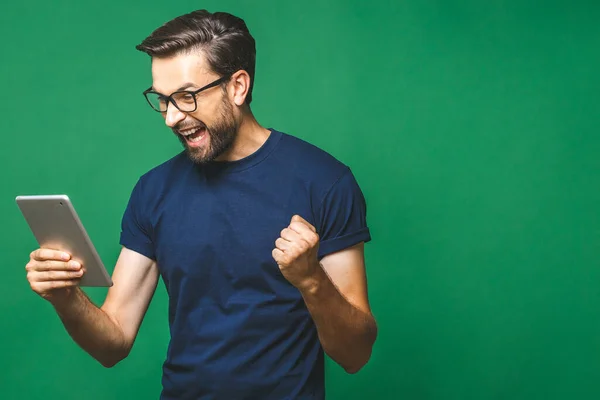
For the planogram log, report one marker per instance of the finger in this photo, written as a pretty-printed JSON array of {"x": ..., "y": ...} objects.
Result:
[
  {"x": 297, "y": 218},
  {"x": 307, "y": 235},
  {"x": 53, "y": 266},
  {"x": 283, "y": 244},
  {"x": 48, "y": 276},
  {"x": 290, "y": 235},
  {"x": 278, "y": 256},
  {"x": 302, "y": 229},
  {"x": 302, "y": 238},
  {"x": 49, "y": 254},
  {"x": 41, "y": 287}
]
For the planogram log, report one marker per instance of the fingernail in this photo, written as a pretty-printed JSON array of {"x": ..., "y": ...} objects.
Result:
[
  {"x": 74, "y": 264},
  {"x": 65, "y": 256}
]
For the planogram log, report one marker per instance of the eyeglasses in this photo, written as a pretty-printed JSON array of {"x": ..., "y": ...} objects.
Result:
[{"x": 184, "y": 100}]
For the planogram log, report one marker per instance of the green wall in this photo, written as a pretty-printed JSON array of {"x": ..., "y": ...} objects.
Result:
[{"x": 471, "y": 126}]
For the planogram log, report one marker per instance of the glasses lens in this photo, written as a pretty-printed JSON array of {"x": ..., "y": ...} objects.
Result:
[
  {"x": 157, "y": 101},
  {"x": 185, "y": 101}
]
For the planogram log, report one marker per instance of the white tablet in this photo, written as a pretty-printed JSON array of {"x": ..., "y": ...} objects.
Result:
[{"x": 55, "y": 225}]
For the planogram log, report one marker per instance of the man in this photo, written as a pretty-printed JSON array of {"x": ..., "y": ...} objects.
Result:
[{"x": 257, "y": 235}]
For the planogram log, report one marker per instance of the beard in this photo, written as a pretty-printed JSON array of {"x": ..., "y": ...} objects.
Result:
[{"x": 221, "y": 134}]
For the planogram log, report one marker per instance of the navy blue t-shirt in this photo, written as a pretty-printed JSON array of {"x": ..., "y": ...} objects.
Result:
[{"x": 239, "y": 329}]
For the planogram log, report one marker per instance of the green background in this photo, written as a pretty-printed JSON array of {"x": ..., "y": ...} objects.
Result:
[{"x": 471, "y": 126}]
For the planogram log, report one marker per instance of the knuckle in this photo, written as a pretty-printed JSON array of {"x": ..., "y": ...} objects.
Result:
[
  {"x": 41, "y": 254},
  {"x": 313, "y": 238}
]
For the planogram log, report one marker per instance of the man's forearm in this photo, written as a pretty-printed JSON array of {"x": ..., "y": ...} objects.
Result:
[
  {"x": 92, "y": 329},
  {"x": 346, "y": 333}
]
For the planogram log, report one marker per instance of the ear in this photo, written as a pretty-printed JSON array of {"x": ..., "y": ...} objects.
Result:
[{"x": 240, "y": 83}]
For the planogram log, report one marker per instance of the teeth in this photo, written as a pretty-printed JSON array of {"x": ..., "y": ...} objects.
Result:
[
  {"x": 190, "y": 132},
  {"x": 199, "y": 138}
]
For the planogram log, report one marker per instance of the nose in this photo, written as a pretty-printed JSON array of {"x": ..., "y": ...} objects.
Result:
[{"x": 173, "y": 116}]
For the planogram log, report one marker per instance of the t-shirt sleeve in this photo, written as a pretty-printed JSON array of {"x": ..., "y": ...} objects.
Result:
[
  {"x": 136, "y": 228},
  {"x": 342, "y": 216}
]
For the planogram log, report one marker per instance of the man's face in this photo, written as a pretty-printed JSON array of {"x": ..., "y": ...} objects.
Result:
[{"x": 211, "y": 129}]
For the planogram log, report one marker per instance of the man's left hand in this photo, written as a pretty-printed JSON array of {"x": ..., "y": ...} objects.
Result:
[{"x": 296, "y": 252}]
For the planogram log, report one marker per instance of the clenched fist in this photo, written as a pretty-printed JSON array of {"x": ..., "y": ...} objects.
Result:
[{"x": 296, "y": 252}]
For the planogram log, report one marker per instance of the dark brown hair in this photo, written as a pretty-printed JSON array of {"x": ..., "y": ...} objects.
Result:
[{"x": 224, "y": 39}]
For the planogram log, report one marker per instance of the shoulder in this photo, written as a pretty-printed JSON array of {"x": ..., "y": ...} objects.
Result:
[
  {"x": 325, "y": 180},
  {"x": 309, "y": 161}
]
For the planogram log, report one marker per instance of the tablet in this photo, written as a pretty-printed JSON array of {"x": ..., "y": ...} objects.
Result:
[{"x": 55, "y": 225}]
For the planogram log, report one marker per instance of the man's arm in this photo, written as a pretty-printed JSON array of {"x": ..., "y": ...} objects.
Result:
[
  {"x": 337, "y": 299},
  {"x": 334, "y": 290},
  {"x": 106, "y": 333}
]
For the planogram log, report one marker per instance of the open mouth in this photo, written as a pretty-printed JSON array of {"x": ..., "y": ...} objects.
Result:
[{"x": 194, "y": 136}]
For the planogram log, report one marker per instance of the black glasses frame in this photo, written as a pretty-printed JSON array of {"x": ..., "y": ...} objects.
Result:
[{"x": 170, "y": 99}]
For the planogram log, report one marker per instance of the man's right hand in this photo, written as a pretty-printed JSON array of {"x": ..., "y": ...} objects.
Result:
[{"x": 52, "y": 274}]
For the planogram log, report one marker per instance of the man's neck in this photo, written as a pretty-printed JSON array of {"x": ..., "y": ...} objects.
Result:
[{"x": 250, "y": 137}]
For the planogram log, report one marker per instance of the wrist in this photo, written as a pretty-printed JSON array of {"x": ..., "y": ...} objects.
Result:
[
  {"x": 312, "y": 283},
  {"x": 66, "y": 303}
]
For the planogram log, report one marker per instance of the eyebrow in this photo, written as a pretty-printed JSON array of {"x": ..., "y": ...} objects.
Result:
[{"x": 185, "y": 86}]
